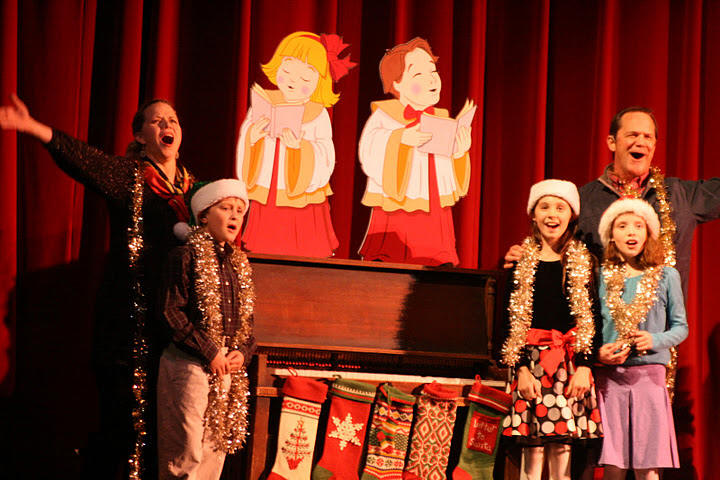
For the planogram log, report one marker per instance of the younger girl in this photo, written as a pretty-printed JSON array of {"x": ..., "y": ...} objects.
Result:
[
  {"x": 288, "y": 176},
  {"x": 552, "y": 315},
  {"x": 643, "y": 316}
]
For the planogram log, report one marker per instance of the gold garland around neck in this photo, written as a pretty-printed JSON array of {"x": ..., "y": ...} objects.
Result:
[
  {"x": 627, "y": 317},
  {"x": 667, "y": 224},
  {"x": 226, "y": 413},
  {"x": 578, "y": 271}
]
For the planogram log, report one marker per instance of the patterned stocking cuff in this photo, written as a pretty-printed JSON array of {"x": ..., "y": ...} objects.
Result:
[
  {"x": 354, "y": 390},
  {"x": 394, "y": 395},
  {"x": 490, "y": 397},
  {"x": 439, "y": 392}
]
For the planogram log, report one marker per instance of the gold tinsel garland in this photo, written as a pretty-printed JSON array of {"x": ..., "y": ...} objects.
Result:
[
  {"x": 667, "y": 236},
  {"x": 226, "y": 413},
  {"x": 667, "y": 240},
  {"x": 578, "y": 270},
  {"x": 137, "y": 309},
  {"x": 627, "y": 317},
  {"x": 667, "y": 225}
]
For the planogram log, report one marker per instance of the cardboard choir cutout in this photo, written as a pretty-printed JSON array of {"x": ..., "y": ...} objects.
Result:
[
  {"x": 285, "y": 153},
  {"x": 416, "y": 160}
]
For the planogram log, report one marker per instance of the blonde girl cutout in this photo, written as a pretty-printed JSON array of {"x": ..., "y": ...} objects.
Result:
[{"x": 306, "y": 47}]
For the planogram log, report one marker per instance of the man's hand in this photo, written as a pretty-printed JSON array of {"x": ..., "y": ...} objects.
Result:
[
  {"x": 613, "y": 354},
  {"x": 579, "y": 384},
  {"x": 528, "y": 386},
  {"x": 413, "y": 137},
  {"x": 513, "y": 255},
  {"x": 236, "y": 359},
  {"x": 220, "y": 364}
]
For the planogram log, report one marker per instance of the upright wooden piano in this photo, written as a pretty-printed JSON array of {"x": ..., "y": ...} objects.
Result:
[{"x": 368, "y": 321}]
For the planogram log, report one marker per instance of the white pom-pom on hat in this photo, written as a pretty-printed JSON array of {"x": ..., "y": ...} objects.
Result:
[
  {"x": 557, "y": 188},
  {"x": 182, "y": 230},
  {"x": 637, "y": 206}
]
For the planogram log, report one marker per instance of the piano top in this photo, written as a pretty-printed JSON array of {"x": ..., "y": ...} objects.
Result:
[{"x": 373, "y": 307}]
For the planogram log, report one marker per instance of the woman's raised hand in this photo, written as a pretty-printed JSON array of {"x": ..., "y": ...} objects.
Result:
[{"x": 17, "y": 117}]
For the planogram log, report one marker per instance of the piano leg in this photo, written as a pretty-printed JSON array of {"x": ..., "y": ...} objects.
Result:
[{"x": 257, "y": 443}]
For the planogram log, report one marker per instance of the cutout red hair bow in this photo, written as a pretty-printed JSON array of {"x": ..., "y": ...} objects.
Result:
[{"x": 339, "y": 67}]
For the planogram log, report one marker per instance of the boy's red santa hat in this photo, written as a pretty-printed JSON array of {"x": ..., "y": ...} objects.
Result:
[
  {"x": 639, "y": 207},
  {"x": 557, "y": 188}
]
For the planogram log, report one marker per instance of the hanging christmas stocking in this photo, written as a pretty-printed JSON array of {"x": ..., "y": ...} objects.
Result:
[
  {"x": 486, "y": 409},
  {"x": 389, "y": 434},
  {"x": 301, "y": 405},
  {"x": 345, "y": 432},
  {"x": 432, "y": 434}
]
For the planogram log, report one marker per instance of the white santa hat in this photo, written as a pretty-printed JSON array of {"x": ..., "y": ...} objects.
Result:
[
  {"x": 207, "y": 196},
  {"x": 557, "y": 188},
  {"x": 639, "y": 207}
]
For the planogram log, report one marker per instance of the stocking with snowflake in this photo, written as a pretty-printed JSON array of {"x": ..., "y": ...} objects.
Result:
[
  {"x": 345, "y": 432},
  {"x": 302, "y": 401}
]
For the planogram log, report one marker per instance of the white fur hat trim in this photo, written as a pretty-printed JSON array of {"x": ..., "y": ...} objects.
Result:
[
  {"x": 557, "y": 188},
  {"x": 208, "y": 195},
  {"x": 637, "y": 206}
]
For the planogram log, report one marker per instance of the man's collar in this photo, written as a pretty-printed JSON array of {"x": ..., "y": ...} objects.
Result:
[{"x": 634, "y": 187}]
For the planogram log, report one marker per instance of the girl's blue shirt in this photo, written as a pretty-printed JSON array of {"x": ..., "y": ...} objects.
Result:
[{"x": 666, "y": 320}]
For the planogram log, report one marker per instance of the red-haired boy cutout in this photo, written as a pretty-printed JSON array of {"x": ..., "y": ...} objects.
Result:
[{"x": 411, "y": 192}]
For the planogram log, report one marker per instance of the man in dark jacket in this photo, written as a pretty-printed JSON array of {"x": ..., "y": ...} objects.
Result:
[{"x": 632, "y": 139}]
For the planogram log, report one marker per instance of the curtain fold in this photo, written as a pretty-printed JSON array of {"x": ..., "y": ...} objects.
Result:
[
  {"x": 62, "y": 37},
  {"x": 470, "y": 83},
  {"x": 162, "y": 56},
  {"x": 8, "y": 200},
  {"x": 547, "y": 76},
  {"x": 514, "y": 130}
]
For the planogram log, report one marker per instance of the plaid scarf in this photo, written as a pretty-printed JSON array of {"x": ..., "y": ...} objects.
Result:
[{"x": 173, "y": 192}]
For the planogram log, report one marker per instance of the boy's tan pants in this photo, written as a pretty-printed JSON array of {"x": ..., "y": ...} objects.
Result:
[{"x": 182, "y": 394}]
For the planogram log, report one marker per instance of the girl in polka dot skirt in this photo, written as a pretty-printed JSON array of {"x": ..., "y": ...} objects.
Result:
[
  {"x": 553, "y": 312},
  {"x": 643, "y": 316}
]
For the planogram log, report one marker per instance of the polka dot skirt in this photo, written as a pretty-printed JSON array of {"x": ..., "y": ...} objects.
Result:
[{"x": 552, "y": 415}]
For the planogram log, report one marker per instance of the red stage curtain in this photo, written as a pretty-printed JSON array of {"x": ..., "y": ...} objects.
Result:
[
  {"x": 8, "y": 201},
  {"x": 548, "y": 75}
]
